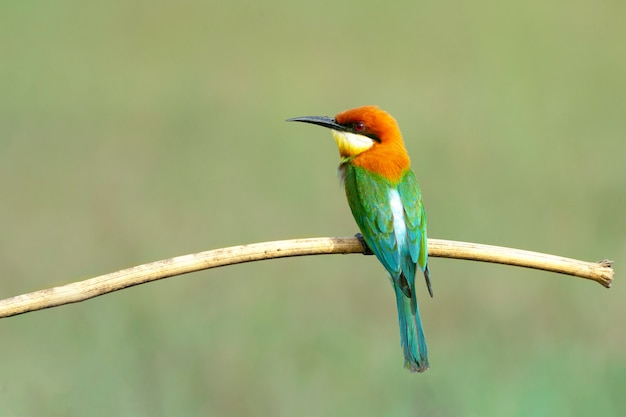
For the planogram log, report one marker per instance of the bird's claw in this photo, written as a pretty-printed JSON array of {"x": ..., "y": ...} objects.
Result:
[{"x": 366, "y": 249}]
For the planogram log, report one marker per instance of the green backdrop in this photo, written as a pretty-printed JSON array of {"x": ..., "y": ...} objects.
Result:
[{"x": 133, "y": 131}]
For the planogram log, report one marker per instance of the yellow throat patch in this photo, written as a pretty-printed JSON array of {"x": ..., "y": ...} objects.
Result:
[{"x": 351, "y": 144}]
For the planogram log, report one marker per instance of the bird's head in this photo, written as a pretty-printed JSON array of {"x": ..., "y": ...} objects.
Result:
[
  {"x": 358, "y": 130},
  {"x": 368, "y": 136}
]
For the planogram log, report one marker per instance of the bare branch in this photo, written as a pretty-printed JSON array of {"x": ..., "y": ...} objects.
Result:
[{"x": 600, "y": 272}]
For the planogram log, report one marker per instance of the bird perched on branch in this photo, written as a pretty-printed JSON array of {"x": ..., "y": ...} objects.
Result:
[{"x": 386, "y": 203}]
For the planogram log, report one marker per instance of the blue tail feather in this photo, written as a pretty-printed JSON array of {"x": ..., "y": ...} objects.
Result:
[{"x": 411, "y": 333}]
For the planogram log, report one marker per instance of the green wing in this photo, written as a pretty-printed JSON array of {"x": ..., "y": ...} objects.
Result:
[
  {"x": 368, "y": 197},
  {"x": 415, "y": 218}
]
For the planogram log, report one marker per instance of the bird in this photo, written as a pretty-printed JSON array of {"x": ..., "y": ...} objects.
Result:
[{"x": 386, "y": 203}]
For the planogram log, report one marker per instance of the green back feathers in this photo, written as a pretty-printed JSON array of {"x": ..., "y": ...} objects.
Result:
[{"x": 368, "y": 197}]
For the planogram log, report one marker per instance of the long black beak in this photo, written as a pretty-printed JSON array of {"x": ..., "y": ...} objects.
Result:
[{"x": 320, "y": 121}]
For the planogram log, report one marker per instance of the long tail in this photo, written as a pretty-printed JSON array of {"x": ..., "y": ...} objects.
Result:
[{"x": 411, "y": 333}]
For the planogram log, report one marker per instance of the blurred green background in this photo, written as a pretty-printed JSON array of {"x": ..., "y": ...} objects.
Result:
[{"x": 134, "y": 131}]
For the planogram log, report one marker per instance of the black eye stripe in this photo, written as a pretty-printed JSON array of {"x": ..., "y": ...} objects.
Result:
[
  {"x": 373, "y": 137},
  {"x": 352, "y": 128}
]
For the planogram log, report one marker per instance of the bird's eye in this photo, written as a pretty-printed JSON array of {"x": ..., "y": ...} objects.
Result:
[{"x": 359, "y": 126}]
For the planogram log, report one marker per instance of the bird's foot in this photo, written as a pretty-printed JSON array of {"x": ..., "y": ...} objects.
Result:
[{"x": 366, "y": 249}]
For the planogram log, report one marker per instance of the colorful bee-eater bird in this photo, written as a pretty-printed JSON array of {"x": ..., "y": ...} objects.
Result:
[{"x": 386, "y": 203}]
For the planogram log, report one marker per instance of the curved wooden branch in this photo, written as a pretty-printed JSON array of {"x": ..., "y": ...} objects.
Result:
[{"x": 600, "y": 272}]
